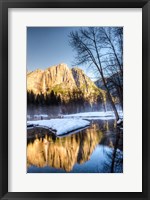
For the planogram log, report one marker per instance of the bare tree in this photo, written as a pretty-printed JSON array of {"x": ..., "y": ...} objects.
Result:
[
  {"x": 112, "y": 58},
  {"x": 90, "y": 44}
]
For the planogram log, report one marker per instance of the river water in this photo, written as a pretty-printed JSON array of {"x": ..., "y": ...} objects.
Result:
[{"x": 96, "y": 149}]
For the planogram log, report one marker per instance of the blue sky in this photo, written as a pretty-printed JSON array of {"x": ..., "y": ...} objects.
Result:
[{"x": 47, "y": 46}]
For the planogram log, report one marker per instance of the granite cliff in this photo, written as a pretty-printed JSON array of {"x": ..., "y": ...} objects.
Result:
[{"x": 64, "y": 81}]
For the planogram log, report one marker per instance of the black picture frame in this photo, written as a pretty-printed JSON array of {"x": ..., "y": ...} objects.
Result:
[{"x": 4, "y": 6}]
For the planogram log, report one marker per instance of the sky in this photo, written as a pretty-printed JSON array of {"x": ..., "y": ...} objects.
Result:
[{"x": 48, "y": 46}]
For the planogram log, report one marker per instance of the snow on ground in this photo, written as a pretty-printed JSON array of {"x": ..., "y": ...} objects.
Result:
[
  {"x": 60, "y": 126},
  {"x": 95, "y": 115}
]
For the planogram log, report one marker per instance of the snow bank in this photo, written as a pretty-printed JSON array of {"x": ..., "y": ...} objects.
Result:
[
  {"x": 95, "y": 115},
  {"x": 60, "y": 126}
]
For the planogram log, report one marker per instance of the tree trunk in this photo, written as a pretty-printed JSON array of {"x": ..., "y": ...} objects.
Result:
[
  {"x": 112, "y": 104},
  {"x": 120, "y": 95},
  {"x": 110, "y": 99}
]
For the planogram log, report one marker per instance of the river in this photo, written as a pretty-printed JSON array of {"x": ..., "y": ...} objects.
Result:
[{"x": 96, "y": 149}]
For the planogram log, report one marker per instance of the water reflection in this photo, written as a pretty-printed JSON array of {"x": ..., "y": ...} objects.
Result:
[
  {"x": 63, "y": 152},
  {"x": 90, "y": 150}
]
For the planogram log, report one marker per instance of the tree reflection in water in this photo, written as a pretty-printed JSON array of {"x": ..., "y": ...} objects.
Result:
[{"x": 76, "y": 152}]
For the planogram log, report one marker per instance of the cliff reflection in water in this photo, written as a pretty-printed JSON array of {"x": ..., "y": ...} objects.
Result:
[
  {"x": 63, "y": 152},
  {"x": 66, "y": 152}
]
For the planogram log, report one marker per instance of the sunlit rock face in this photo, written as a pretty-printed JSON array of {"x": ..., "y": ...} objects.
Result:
[
  {"x": 41, "y": 81},
  {"x": 63, "y": 153},
  {"x": 64, "y": 81}
]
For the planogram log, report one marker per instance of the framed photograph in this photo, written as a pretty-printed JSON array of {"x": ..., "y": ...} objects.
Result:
[{"x": 74, "y": 99}]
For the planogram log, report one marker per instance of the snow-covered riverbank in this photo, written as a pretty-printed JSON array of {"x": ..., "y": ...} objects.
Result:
[
  {"x": 94, "y": 115},
  {"x": 60, "y": 126}
]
